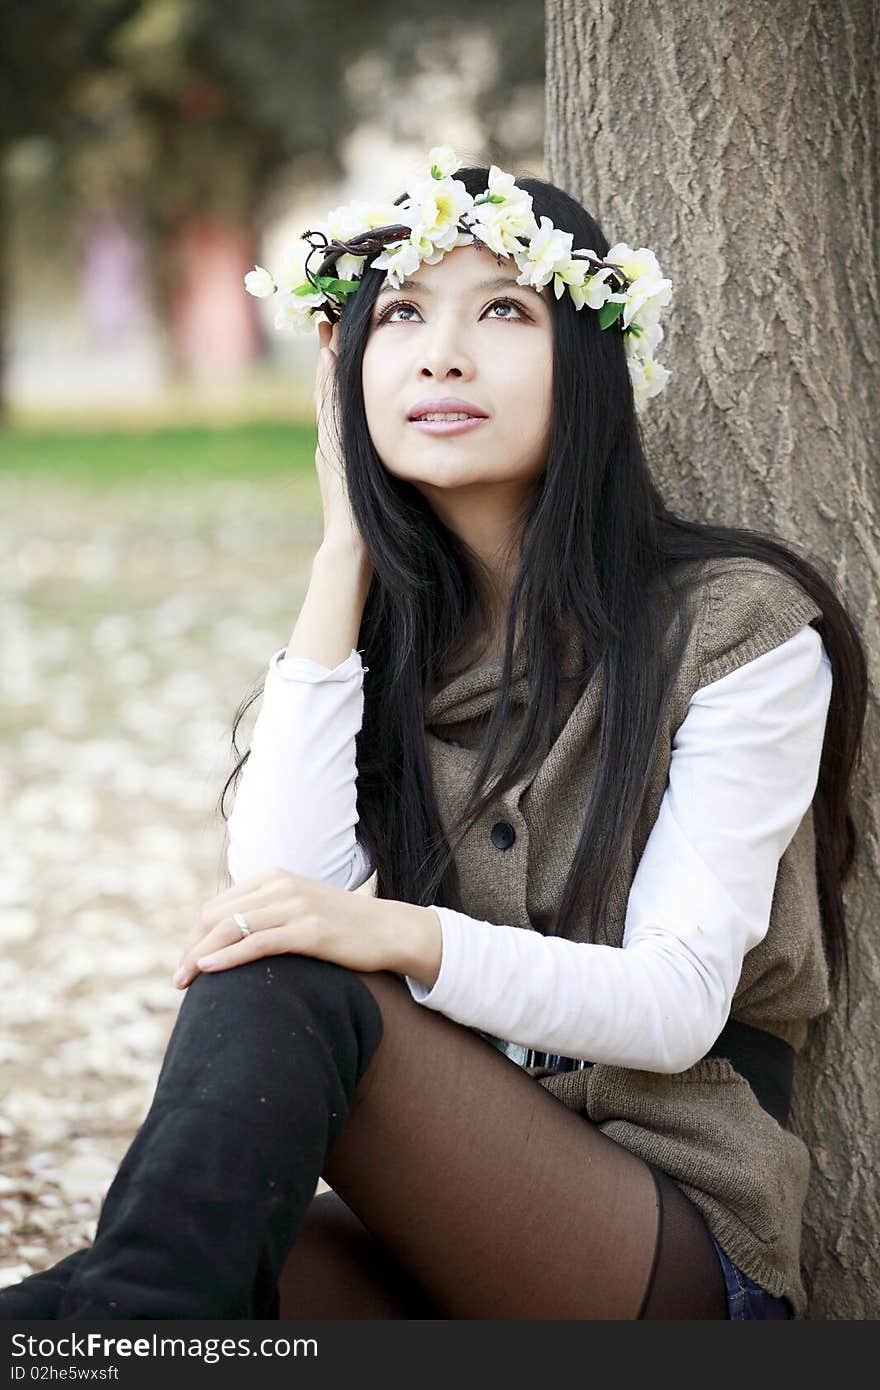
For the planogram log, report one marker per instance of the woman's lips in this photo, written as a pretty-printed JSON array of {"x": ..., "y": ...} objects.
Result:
[{"x": 448, "y": 426}]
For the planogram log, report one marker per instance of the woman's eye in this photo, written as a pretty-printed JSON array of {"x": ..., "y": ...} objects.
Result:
[
  {"x": 505, "y": 304},
  {"x": 385, "y": 317}
]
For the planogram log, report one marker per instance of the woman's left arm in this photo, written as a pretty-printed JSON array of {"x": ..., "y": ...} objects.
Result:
[
  {"x": 743, "y": 772},
  {"x": 291, "y": 913}
]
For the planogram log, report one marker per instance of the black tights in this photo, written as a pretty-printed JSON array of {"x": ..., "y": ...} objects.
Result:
[{"x": 460, "y": 1187}]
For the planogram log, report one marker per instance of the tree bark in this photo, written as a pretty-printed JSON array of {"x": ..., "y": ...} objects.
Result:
[{"x": 739, "y": 141}]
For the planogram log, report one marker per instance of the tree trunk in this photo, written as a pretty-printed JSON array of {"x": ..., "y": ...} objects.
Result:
[{"x": 739, "y": 141}]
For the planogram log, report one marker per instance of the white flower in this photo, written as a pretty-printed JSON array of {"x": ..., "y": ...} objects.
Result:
[
  {"x": 434, "y": 209},
  {"x": 350, "y": 220},
  {"x": 444, "y": 159},
  {"x": 259, "y": 282},
  {"x": 430, "y": 254},
  {"x": 398, "y": 261},
  {"x": 464, "y": 239},
  {"x": 441, "y": 163},
  {"x": 648, "y": 337},
  {"x": 505, "y": 216},
  {"x": 500, "y": 228},
  {"x": 645, "y": 299},
  {"x": 502, "y": 185},
  {"x": 649, "y": 292},
  {"x": 348, "y": 267},
  {"x": 295, "y": 312},
  {"x": 648, "y": 303},
  {"x": 291, "y": 270},
  {"x": 548, "y": 251},
  {"x": 583, "y": 287},
  {"x": 634, "y": 264},
  {"x": 647, "y": 376}
]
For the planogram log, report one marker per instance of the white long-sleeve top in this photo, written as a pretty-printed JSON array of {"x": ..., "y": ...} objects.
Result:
[{"x": 743, "y": 772}]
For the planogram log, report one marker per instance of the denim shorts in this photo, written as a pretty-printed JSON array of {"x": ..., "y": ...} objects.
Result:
[{"x": 745, "y": 1298}]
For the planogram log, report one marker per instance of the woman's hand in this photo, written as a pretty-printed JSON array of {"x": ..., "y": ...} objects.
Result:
[{"x": 288, "y": 912}]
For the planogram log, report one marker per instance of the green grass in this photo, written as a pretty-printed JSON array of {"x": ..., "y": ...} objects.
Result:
[{"x": 163, "y": 453}]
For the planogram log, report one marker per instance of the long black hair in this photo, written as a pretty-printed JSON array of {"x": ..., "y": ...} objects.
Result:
[{"x": 596, "y": 545}]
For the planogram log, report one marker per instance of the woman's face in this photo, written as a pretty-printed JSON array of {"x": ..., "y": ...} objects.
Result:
[{"x": 446, "y": 333}]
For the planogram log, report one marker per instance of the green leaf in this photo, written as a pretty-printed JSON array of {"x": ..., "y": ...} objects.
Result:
[
  {"x": 609, "y": 312},
  {"x": 329, "y": 284},
  {"x": 334, "y": 286}
]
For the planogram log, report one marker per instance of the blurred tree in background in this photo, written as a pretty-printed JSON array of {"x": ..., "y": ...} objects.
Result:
[
  {"x": 45, "y": 50},
  {"x": 190, "y": 114}
]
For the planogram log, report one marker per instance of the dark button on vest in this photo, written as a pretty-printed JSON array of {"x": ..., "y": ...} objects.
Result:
[{"x": 503, "y": 834}]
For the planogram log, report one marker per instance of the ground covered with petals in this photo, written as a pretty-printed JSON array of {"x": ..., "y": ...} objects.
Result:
[{"x": 135, "y": 618}]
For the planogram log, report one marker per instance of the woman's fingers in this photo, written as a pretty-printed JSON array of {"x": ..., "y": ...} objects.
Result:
[
  {"x": 207, "y": 922},
  {"x": 292, "y": 908},
  {"x": 328, "y": 334},
  {"x": 241, "y": 897},
  {"x": 273, "y": 942},
  {"x": 226, "y": 932}
]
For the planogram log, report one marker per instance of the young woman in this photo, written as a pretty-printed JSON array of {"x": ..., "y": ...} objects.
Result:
[{"x": 545, "y": 1069}]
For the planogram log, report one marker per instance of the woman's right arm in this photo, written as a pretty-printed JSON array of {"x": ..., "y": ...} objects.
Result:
[
  {"x": 330, "y": 618},
  {"x": 296, "y": 802}
]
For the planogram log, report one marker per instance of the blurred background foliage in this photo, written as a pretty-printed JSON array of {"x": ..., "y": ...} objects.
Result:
[{"x": 152, "y": 149}]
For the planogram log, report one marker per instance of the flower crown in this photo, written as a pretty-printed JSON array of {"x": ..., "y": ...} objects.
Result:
[{"x": 439, "y": 214}]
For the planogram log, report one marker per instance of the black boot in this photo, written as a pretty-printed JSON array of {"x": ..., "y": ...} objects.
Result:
[
  {"x": 256, "y": 1083},
  {"x": 39, "y": 1295}
]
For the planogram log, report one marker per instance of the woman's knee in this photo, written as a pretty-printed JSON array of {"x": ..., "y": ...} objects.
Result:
[
  {"x": 275, "y": 979},
  {"x": 273, "y": 991}
]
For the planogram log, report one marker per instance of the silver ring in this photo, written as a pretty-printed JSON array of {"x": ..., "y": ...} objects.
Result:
[{"x": 241, "y": 924}]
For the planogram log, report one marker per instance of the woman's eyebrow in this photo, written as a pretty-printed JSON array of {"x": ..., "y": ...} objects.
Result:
[{"x": 415, "y": 285}]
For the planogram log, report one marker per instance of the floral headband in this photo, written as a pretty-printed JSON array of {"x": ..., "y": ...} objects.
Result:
[{"x": 438, "y": 215}]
